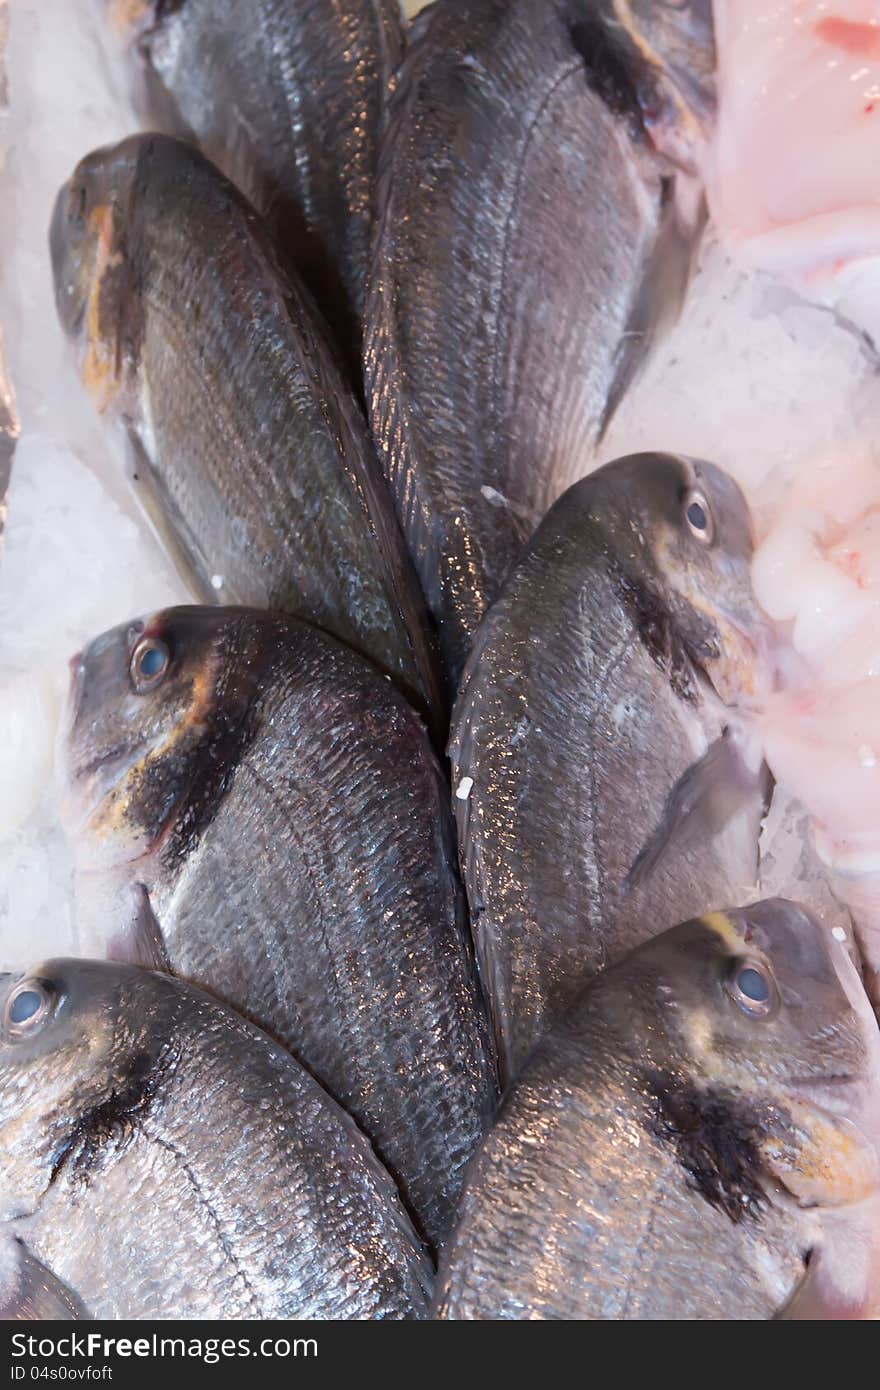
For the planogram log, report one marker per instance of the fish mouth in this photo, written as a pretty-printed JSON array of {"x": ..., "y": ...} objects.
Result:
[{"x": 86, "y": 787}]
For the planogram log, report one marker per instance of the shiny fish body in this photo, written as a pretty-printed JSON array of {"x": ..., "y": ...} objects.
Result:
[
  {"x": 164, "y": 1159},
  {"x": 271, "y": 822},
  {"x": 532, "y": 232},
  {"x": 587, "y": 699},
  {"x": 250, "y": 454},
  {"x": 668, "y": 1154},
  {"x": 287, "y": 97}
]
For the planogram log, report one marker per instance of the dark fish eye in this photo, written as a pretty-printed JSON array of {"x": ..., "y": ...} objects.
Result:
[
  {"x": 27, "y": 1009},
  {"x": 149, "y": 663},
  {"x": 751, "y": 987},
  {"x": 698, "y": 517}
]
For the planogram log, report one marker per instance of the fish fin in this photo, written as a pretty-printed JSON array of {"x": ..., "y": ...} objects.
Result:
[
  {"x": 168, "y": 530},
  {"x": 704, "y": 799},
  {"x": 658, "y": 297},
  {"x": 144, "y": 942},
  {"x": 29, "y": 1292}
]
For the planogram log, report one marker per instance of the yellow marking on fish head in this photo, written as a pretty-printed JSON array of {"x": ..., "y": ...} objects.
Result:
[
  {"x": 100, "y": 369},
  {"x": 722, "y": 925}
]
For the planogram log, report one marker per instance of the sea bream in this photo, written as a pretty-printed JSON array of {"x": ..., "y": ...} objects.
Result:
[
  {"x": 605, "y": 774},
  {"x": 287, "y": 97},
  {"x": 538, "y": 208},
  {"x": 255, "y": 807},
  {"x": 250, "y": 454},
  {"x": 162, "y": 1158},
  {"x": 697, "y": 1138}
]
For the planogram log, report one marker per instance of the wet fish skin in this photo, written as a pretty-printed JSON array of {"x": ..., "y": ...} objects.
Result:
[
  {"x": 163, "y": 1158},
  {"x": 271, "y": 822},
  {"x": 666, "y": 1155},
  {"x": 598, "y": 794},
  {"x": 249, "y": 453},
  {"x": 288, "y": 99},
  {"x": 531, "y": 241}
]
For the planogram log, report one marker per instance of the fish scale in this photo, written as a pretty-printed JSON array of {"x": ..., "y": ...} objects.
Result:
[{"x": 554, "y": 820}]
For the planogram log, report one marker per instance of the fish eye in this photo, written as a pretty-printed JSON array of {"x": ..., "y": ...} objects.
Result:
[
  {"x": 27, "y": 1008},
  {"x": 751, "y": 987},
  {"x": 149, "y": 662},
  {"x": 698, "y": 517}
]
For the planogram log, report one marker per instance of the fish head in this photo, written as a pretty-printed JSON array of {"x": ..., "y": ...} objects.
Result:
[
  {"x": 153, "y": 707},
  {"x": 686, "y": 538},
  {"x": 91, "y": 253},
  {"x": 757, "y": 1015},
  {"x": 76, "y": 1054}
]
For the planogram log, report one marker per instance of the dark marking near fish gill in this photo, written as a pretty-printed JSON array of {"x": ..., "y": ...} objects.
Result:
[
  {"x": 657, "y": 634},
  {"x": 716, "y": 1141},
  {"x": 613, "y": 64},
  {"x": 214, "y": 763},
  {"x": 112, "y": 1123}
]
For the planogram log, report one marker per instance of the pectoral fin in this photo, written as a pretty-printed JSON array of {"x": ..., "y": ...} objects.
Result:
[
  {"x": 29, "y": 1292},
  {"x": 703, "y": 801},
  {"x": 168, "y": 528},
  {"x": 658, "y": 298},
  {"x": 144, "y": 942}
]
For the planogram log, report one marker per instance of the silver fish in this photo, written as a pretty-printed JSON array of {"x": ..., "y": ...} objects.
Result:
[
  {"x": 538, "y": 208},
  {"x": 249, "y": 453},
  {"x": 697, "y": 1138},
  {"x": 605, "y": 783},
  {"x": 256, "y": 808},
  {"x": 164, "y": 1159}
]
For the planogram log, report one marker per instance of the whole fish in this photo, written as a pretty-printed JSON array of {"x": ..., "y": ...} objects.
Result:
[
  {"x": 256, "y": 807},
  {"x": 249, "y": 453},
  {"x": 697, "y": 1138},
  {"x": 605, "y": 785},
  {"x": 162, "y": 1158},
  {"x": 287, "y": 97},
  {"x": 538, "y": 208}
]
